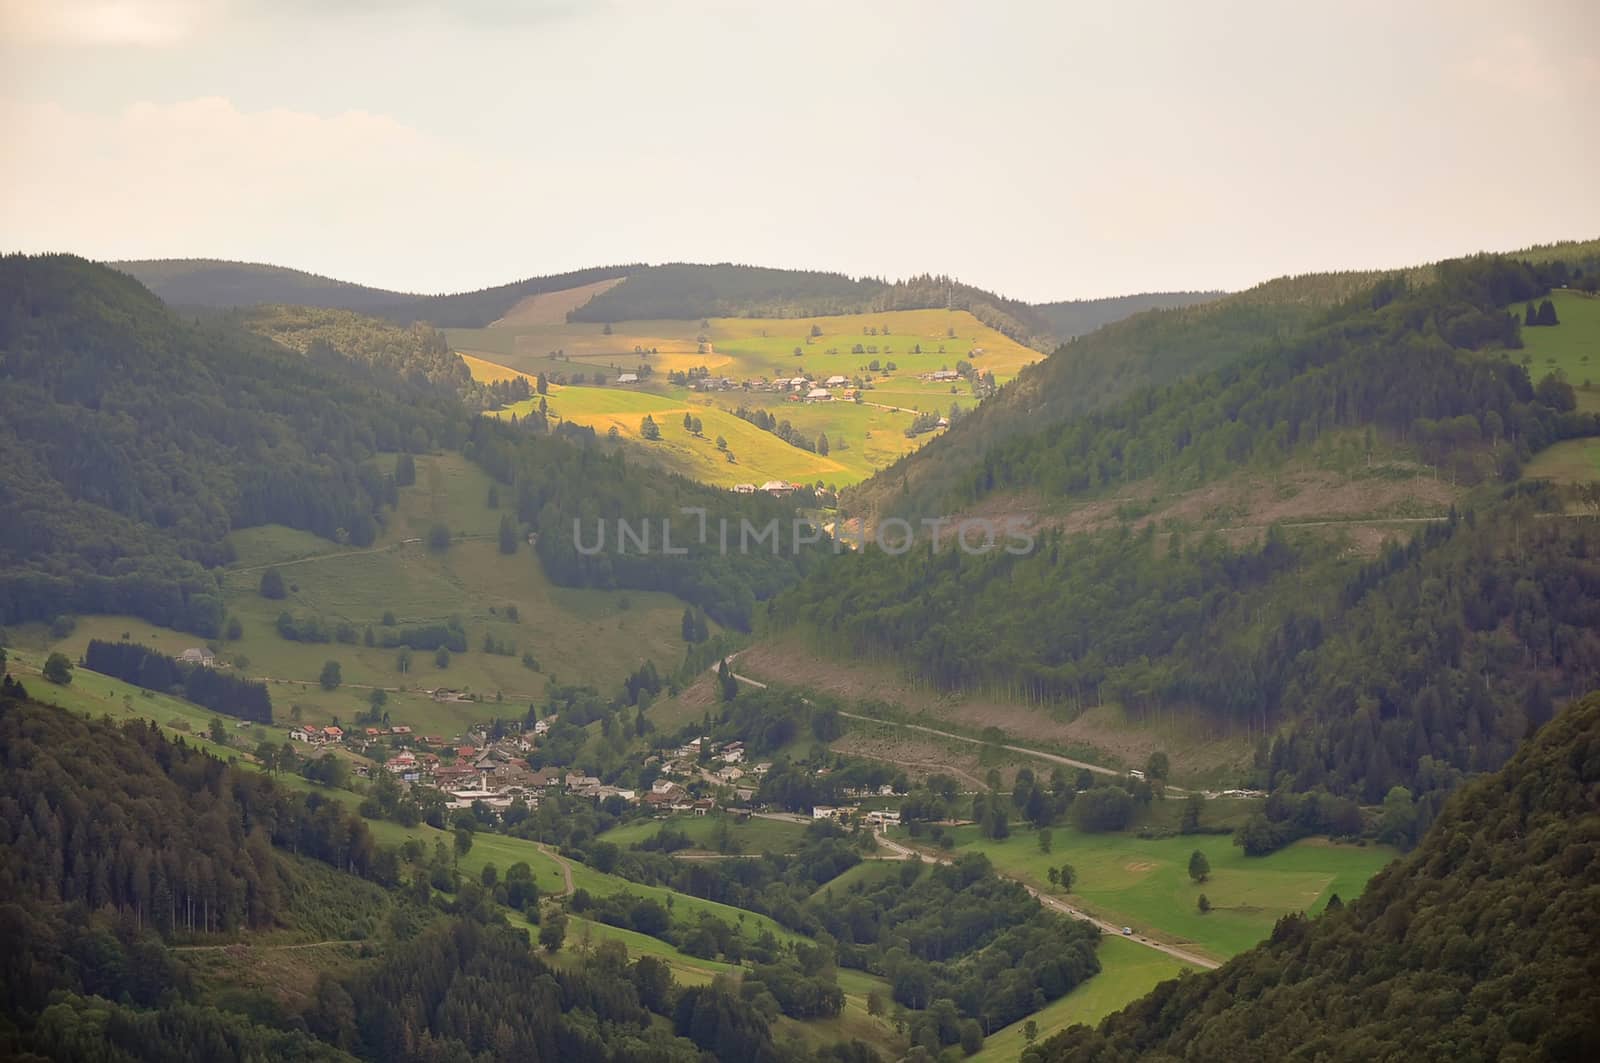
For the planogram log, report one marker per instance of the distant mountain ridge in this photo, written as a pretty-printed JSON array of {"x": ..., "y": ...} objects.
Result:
[
  {"x": 200, "y": 282},
  {"x": 1077, "y": 317},
  {"x": 674, "y": 290}
]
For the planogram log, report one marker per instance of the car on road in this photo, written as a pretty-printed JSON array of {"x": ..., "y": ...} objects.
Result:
[{"x": 1127, "y": 931}]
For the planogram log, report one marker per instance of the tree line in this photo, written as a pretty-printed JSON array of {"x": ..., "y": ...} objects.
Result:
[{"x": 152, "y": 670}]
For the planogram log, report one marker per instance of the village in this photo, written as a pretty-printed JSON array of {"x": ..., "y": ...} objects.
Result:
[{"x": 697, "y": 778}]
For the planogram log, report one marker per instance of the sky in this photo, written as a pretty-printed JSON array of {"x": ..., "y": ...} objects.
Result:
[{"x": 1049, "y": 150}]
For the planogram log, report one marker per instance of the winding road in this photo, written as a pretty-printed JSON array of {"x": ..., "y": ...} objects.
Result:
[{"x": 907, "y": 853}]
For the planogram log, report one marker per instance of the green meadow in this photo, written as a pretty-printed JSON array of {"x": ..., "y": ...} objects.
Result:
[
  {"x": 1128, "y": 971},
  {"x": 754, "y": 836},
  {"x": 1572, "y": 347},
  {"x": 1144, "y": 883}
]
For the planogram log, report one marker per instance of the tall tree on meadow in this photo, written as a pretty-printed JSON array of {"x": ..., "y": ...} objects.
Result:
[
  {"x": 508, "y": 534},
  {"x": 405, "y": 470}
]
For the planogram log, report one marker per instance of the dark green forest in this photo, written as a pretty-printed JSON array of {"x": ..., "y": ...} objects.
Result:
[
  {"x": 131, "y": 442},
  {"x": 1429, "y": 662},
  {"x": 1190, "y": 393},
  {"x": 1479, "y": 945},
  {"x": 209, "y": 283},
  {"x": 116, "y": 843}
]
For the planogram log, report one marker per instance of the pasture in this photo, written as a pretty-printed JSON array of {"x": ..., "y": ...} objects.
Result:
[
  {"x": 1572, "y": 461},
  {"x": 580, "y": 634},
  {"x": 754, "y": 836},
  {"x": 1572, "y": 346},
  {"x": 1144, "y": 883},
  {"x": 1127, "y": 972},
  {"x": 872, "y": 432}
]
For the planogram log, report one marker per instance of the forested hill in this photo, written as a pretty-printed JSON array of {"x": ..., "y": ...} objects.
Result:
[
  {"x": 131, "y": 442},
  {"x": 199, "y": 282},
  {"x": 116, "y": 844},
  {"x": 1123, "y": 369},
  {"x": 686, "y": 291},
  {"x": 1484, "y": 943},
  {"x": 1077, "y": 317},
  {"x": 682, "y": 291}
]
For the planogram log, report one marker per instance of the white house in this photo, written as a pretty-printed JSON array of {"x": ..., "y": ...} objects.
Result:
[
  {"x": 195, "y": 655},
  {"x": 628, "y": 378},
  {"x": 883, "y": 817},
  {"x": 744, "y": 489}
]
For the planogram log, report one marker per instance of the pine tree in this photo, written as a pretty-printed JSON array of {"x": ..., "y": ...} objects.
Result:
[
  {"x": 508, "y": 534},
  {"x": 1547, "y": 313}
]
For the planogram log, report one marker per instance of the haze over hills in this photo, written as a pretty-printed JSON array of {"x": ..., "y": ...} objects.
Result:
[
  {"x": 359, "y": 542},
  {"x": 682, "y": 291}
]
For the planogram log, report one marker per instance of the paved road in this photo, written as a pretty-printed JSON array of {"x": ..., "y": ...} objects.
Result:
[
  {"x": 1024, "y": 750},
  {"x": 1182, "y": 956}
]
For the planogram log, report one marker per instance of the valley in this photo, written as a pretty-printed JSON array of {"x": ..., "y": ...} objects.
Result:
[{"x": 1161, "y": 676}]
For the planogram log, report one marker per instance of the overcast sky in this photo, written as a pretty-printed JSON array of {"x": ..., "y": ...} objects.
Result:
[{"x": 1047, "y": 150}]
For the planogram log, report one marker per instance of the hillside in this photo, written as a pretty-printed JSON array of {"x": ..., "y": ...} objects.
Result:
[
  {"x": 1075, "y": 317},
  {"x": 132, "y": 442},
  {"x": 1153, "y": 349},
  {"x": 1281, "y": 634},
  {"x": 212, "y": 283},
  {"x": 1479, "y": 945}
]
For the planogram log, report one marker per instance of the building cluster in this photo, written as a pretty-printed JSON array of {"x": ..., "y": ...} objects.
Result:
[{"x": 477, "y": 767}]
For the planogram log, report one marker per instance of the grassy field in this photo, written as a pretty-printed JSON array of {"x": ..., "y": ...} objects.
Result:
[
  {"x": 576, "y": 634},
  {"x": 1572, "y": 346},
  {"x": 1127, "y": 971},
  {"x": 1145, "y": 883},
  {"x": 917, "y": 341},
  {"x": 755, "y": 835},
  {"x": 1572, "y": 461}
]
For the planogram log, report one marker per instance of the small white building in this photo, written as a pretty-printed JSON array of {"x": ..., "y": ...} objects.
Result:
[
  {"x": 628, "y": 378},
  {"x": 196, "y": 655}
]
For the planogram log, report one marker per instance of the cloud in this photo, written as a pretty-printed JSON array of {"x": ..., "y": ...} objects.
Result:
[
  {"x": 144, "y": 23},
  {"x": 170, "y": 23}
]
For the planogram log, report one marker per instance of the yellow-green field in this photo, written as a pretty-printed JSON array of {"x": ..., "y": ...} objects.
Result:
[
  {"x": 871, "y": 436},
  {"x": 873, "y": 431}
]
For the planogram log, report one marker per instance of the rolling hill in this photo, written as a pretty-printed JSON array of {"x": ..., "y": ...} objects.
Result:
[{"x": 1152, "y": 349}]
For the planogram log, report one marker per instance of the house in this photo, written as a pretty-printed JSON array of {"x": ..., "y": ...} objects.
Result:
[
  {"x": 733, "y": 756},
  {"x": 401, "y": 730},
  {"x": 744, "y": 794},
  {"x": 545, "y": 777},
  {"x": 704, "y": 806},
  {"x": 195, "y": 655},
  {"x": 883, "y": 817},
  {"x": 945, "y": 375},
  {"x": 628, "y": 378},
  {"x": 331, "y": 733},
  {"x": 305, "y": 734},
  {"x": 778, "y": 488},
  {"x": 744, "y": 489},
  {"x": 826, "y": 812},
  {"x": 730, "y": 774},
  {"x": 819, "y": 395},
  {"x": 664, "y": 786},
  {"x": 836, "y": 381}
]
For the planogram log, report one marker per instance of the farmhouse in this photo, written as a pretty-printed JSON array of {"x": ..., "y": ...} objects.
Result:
[
  {"x": 628, "y": 378},
  {"x": 944, "y": 375},
  {"x": 195, "y": 655},
  {"x": 883, "y": 817},
  {"x": 836, "y": 382},
  {"x": 778, "y": 488},
  {"x": 819, "y": 395},
  {"x": 744, "y": 489}
]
